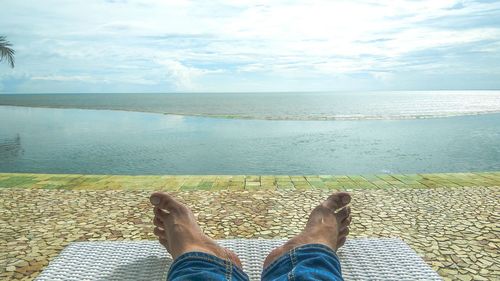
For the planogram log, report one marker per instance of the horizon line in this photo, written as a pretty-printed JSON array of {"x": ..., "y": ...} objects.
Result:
[{"x": 241, "y": 92}]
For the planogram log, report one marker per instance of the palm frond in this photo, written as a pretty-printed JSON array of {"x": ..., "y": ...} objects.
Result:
[{"x": 6, "y": 52}]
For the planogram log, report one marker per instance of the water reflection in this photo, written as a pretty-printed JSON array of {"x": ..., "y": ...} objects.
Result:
[{"x": 11, "y": 147}]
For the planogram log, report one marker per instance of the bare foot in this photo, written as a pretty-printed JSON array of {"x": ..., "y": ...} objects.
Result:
[
  {"x": 178, "y": 231},
  {"x": 325, "y": 226}
]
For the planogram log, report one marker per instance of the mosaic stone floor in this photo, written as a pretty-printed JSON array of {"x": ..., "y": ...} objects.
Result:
[{"x": 451, "y": 220}]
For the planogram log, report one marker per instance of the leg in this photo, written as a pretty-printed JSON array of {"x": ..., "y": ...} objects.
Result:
[
  {"x": 196, "y": 256},
  {"x": 311, "y": 254}
]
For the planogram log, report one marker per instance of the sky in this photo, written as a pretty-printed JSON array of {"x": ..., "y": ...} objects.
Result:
[{"x": 65, "y": 46}]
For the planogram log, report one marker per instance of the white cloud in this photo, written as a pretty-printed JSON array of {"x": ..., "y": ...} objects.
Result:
[
  {"x": 138, "y": 41},
  {"x": 184, "y": 77},
  {"x": 181, "y": 75}
]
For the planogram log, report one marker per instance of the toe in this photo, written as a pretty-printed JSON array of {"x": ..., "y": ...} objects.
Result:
[
  {"x": 343, "y": 214},
  {"x": 158, "y": 222},
  {"x": 164, "y": 201},
  {"x": 160, "y": 232},
  {"x": 346, "y": 221},
  {"x": 160, "y": 214},
  {"x": 337, "y": 200},
  {"x": 343, "y": 232}
]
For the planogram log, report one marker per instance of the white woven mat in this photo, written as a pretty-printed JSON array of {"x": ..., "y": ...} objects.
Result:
[{"x": 361, "y": 259}]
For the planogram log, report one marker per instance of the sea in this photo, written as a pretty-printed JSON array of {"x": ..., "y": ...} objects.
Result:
[{"x": 251, "y": 133}]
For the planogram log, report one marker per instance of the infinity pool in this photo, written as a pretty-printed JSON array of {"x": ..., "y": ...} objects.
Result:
[{"x": 43, "y": 140}]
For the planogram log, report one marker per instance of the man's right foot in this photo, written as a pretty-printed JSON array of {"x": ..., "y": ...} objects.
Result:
[
  {"x": 179, "y": 232},
  {"x": 325, "y": 226}
]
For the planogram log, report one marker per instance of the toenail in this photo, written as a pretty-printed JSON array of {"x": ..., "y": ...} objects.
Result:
[{"x": 155, "y": 200}]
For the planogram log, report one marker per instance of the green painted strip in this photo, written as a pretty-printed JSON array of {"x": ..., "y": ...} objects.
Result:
[{"x": 249, "y": 182}]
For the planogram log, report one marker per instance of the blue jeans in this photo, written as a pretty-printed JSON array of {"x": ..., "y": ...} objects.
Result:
[{"x": 307, "y": 262}]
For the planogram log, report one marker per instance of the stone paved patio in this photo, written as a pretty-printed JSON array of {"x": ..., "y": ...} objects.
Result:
[{"x": 450, "y": 220}]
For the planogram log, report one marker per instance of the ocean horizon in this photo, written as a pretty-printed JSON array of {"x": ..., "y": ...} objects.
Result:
[
  {"x": 337, "y": 105},
  {"x": 264, "y": 133}
]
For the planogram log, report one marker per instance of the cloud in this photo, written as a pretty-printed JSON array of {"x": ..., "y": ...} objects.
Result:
[
  {"x": 184, "y": 77},
  {"x": 181, "y": 75},
  {"x": 223, "y": 44}
]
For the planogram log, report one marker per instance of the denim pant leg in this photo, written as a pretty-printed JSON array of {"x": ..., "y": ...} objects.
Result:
[
  {"x": 194, "y": 266},
  {"x": 307, "y": 262}
]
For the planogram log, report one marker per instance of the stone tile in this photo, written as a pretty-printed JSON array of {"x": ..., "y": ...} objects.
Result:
[{"x": 455, "y": 230}]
